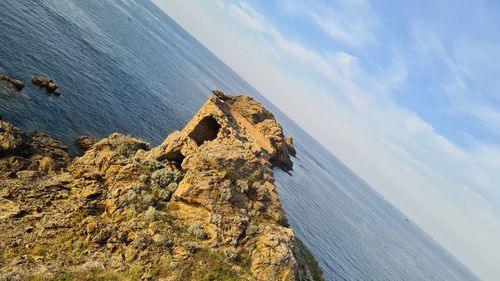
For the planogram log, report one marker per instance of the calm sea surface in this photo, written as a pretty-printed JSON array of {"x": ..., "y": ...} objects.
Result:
[{"x": 125, "y": 66}]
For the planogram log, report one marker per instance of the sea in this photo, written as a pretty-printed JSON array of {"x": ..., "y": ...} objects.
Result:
[{"x": 125, "y": 66}]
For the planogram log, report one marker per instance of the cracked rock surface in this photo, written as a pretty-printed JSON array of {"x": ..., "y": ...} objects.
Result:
[{"x": 200, "y": 206}]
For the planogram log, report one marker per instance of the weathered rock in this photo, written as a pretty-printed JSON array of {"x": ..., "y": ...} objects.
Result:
[
  {"x": 290, "y": 147},
  {"x": 36, "y": 152},
  {"x": 47, "y": 155},
  {"x": 16, "y": 84},
  {"x": 11, "y": 138},
  {"x": 263, "y": 120},
  {"x": 201, "y": 206},
  {"x": 44, "y": 82},
  {"x": 84, "y": 142},
  {"x": 227, "y": 153}
]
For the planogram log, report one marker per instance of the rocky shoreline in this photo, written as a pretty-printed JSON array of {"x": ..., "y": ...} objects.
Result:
[{"x": 200, "y": 206}]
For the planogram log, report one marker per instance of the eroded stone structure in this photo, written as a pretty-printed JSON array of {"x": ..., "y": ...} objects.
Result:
[{"x": 201, "y": 206}]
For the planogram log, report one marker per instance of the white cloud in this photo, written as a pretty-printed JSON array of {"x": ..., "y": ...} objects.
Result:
[
  {"x": 249, "y": 17},
  {"x": 339, "y": 67},
  {"x": 472, "y": 72},
  {"x": 489, "y": 117},
  {"x": 478, "y": 196}
]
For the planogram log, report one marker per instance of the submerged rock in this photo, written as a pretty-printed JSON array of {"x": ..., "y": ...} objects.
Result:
[
  {"x": 201, "y": 206},
  {"x": 16, "y": 84},
  {"x": 46, "y": 83}
]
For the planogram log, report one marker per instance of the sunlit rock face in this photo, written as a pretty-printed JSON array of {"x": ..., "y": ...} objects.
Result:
[{"x": 200, "y": 206}]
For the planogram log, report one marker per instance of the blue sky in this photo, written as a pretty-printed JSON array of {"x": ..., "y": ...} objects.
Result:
[{"x": 405, "y": 93}]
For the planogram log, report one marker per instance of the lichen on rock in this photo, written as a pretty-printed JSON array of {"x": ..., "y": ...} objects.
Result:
[{"x": 200, "y": 206}]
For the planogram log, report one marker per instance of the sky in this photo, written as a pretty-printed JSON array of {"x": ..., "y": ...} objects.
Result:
[{"x": 405, "y": 93}]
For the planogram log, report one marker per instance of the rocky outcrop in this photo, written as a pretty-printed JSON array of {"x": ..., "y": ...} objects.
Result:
[
  {"x": 84, "y": 142},
  {"x": 35, "y": 152},
  {"x": 45, "y": 82},
  {"x": 16, "y": 84},
  {"x": 201, "y": 206},
  {"x": 265, "y": 126},
  {"x": 289, "y": 146}
]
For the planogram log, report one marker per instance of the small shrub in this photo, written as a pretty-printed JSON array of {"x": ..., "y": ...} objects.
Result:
[
  {"x": 162, "y": 178},
  {"x": 140, "y": 243},
  {"x": 127, "y": 198},
  {"x": 197, "y": 231},
  {"x": 252, "y": 229},
  {"x": 150, "y": 214},
  {"x": 231, "y": 254}
]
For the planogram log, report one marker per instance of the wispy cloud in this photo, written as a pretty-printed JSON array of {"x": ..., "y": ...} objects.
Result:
[
  {"x": 251, "y": 18},
  {"x": 339, "y": 67},
  {"x": 350, "y": 22},
  {"x": 471, "y": 70},
  {"x": 478, "y": 196}
]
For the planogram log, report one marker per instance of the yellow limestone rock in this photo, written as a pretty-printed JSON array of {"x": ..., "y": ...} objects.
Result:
[
  {"x": 200, "y": 206},
  {"x": 228, "y": 187}
]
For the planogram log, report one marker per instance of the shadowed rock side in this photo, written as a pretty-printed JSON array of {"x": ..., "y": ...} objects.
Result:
[
  {"x": 84, "y": 142},
  {"x": 201, "y": 206}
]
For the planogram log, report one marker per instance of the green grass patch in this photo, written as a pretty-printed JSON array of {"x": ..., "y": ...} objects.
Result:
[{"x": 209, "y": 265}]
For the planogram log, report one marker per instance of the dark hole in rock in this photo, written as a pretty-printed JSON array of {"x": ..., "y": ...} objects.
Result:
[
  {"x": 177, "y": 157},
  {"x": 206, "y": 130},
  {"x": 21, "y": 214},
  {"x": 94, "y": 209}
]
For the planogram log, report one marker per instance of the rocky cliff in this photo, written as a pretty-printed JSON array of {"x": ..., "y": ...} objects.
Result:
[{"x": 200, "y": 206}]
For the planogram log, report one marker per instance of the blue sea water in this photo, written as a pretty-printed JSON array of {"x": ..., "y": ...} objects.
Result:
[{"x": 125, "y": 66}]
